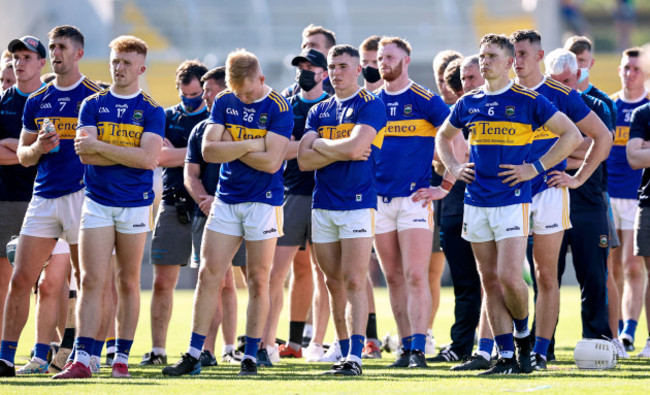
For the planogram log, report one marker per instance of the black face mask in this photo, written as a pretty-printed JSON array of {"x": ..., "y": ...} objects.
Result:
[
  {"x": 306, "y": 80},
  {"x": 370, "y": 74}
]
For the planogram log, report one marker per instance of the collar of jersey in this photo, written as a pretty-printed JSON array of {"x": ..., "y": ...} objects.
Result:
[
  {"x": 399, "y": 92},
  {"x": 342, "y": 99},
  {"x": 68, "y": 88},
  {"x": 321, "y": 97},
  {"x": 586, "y": 91},
  {"x": 626, "y": 100},
  {"x": 26, "y": 94},
  {"x": 536, "y": 87},
  {"x": 125, "y": 97},
  {"x": 500, "y": 91},
  {"x": 264, "y": 96},
  {"x": 191, "y": 114}
]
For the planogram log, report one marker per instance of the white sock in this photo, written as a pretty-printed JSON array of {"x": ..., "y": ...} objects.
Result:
[
  {"x": 249, "y": 357},
  {"x": 308, "y": 331},
  {"x": 507, "y": 354},
  {"x": 354, "y": 358},
  {"x": 119, "y": 358},
  {"x": 39, "y": 361},
  {"x": 82, "y": 357},
  {"x": 159, "y": 351},
  {"x": 270, "y": 349},
  {"x": 521, "y": 335},
  {"x": 228, "y": 348},
  {"x": 195, "y": 352},
  {"x": 111, "y": 350}
]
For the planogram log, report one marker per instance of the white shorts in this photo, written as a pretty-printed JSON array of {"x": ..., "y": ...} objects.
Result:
[
  {"x": 329, "y": 226},
  {"x": 481, "y": 224},
  {"x": 624, "y": 211},
  {"x": 401, "y": 213},
  {"x": 549, "y": 212},
  {"x": 61, "y": 247},
  {"x": 128, "y": 220},
  {"x": 54, "y": 218},
  {"x": 253, "y": 221}
]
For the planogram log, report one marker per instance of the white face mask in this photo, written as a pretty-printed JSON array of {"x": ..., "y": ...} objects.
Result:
[{"x": 584, "y": 74}]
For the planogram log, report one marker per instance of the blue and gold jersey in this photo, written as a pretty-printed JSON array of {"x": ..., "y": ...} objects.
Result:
[
  {"x": 414, "y": 115},
  {"x": 121, "y": 121},
  {"x": 347, "y": 185},
  {"x": 567, "y": 101},
  {"x": 59, "y": 173},
  {"x": 622, "y": 181},
  {"x": 238, "y": 182},
  {"x": 501, "y": 126}
]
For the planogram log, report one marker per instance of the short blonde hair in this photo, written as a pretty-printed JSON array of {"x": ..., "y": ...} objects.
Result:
[
  {"x": 129, "y": 44},
  {"x": 241, "y": 65},
  {"x": 399, "y": 43}
]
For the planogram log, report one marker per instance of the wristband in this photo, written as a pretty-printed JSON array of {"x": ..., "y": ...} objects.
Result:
[
  {"x": 446, "y": 185},
  {"x": 539, "y": 167}
]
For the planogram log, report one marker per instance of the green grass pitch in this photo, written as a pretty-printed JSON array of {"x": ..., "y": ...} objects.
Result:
[{"x": 298, "y": 377}]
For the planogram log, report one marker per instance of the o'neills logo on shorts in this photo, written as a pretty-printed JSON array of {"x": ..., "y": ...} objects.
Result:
[
  {"x": 269, "y": 231},
  {"x": 359, "y": 231},
  {"x": 513, "y": 228},
  {"x": 141, "y": 225}
]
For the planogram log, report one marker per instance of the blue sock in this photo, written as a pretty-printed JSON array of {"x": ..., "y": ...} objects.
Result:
[
  {"x": 110, "y": 343},
  {"x": 418, "y": 342},
  {"x": 97, "y": 348},
  {"x": 41, "y": 350},
  {"x": 506, "y": 345},
  {"x": 621, "y": 325},
  {"x": 345, "y": 347},
  {"x": 123, "y": 346},
  {"x": 521, "y": 325},
  {"x": 541, "y": 346},
  {"x": 486, "y": 345},
  {"x": 407, "y": 343},
  {"x": 196, "y": 345},
  {"x": 84, "y": 344},
  {"x": 8, "y": 351},
  {"x": 630, "y": 328},
  {"x": 356, "y": 345},
  {"x": 252, "y": 345}
]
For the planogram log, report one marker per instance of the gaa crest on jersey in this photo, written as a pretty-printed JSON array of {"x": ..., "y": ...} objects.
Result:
[
  {"x": 510, "y": 111},
  {"x": 349, "y": 112},
  {"x": 603, "y": 243},
  {"x": 517, "y": 192},
  {"x": 263, "y": 119},
  {"x": 137, "y": 115},
  {"x": 408, "y": 109},
  {"x": 78, "y": 106}
]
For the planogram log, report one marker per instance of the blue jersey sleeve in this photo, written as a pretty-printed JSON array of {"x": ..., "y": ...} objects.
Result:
[
  {"x": 542, "y": 110},
  {"x": 155, "y": 122},
  {"x": 437, "y": 111},
  {"x": 281, "y": 122},
  {"x": 312, "y": 119},
  {"x": 373, "y": 113},
  {"x": 29, "y": 121},
  {"x": 88, "y": 114},
  {"x": 455, "y": 118},
  {"x": 194, "y": 146},
  {"x": 640, "y": 123},
  {"x": 218, "y": 113},
  {"x": 577, "y": 110}
]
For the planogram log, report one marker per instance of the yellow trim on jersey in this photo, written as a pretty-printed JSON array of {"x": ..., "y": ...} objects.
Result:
[
  {"x": 366, "y": 96},
  {"x": 527, "y": 92},
  {"x": 280, "y": 101},
  {"x": 150, "y": 100},
  {"x": 544, "y": 133},
  {"x": 66, "y": 127},
  {"x": 500, "y": 133},
  {"x": 223, "y": 93},
  {"x": 557, "y": 86},
  {"x": 241, "y": 133},
  {"x": 622, "y": 135},
  {"x": 91, "y": 85},
  {"x": 120, "y": 134},
  {"x": 410, "y": 128},
  {"x": 40, "y": 91},
  {"x": 421, "y": 92}
]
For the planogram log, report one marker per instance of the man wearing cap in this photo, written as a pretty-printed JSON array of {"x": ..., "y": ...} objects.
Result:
[
  {"x": 311, "y": 71},
  {"x": 55, "y": 209},
  {"x": 16, "y": 181}
]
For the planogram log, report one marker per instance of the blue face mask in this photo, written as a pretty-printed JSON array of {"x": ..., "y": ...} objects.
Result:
[
  {"x": 584, "y": 74},
  {"x": 192, "y": 104}
]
